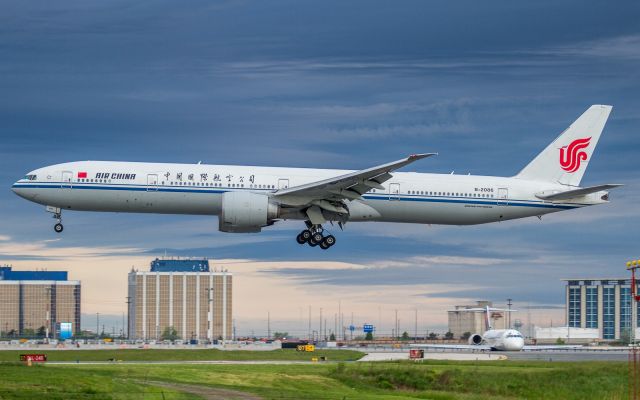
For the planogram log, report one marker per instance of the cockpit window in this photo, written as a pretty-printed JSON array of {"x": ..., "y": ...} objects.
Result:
[{"x": 30, "y": 177}]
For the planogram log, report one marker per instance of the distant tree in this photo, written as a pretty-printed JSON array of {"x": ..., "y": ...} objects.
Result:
[
  {"x": 28, "y": 332},
  {"x": 465, "y": 336},
  {"x": 368, "y": 336},
  {"x": 448, "y": 335},
  {"x": 405, "y": 335},
  {"x": 169, "y": 333},
  {"x": 559, "y": 341},
  {"x": 41, "y": 332},
  {"x": 432, "y": 336},
  {"x": 332, "y": 337},
  {"x": 280, "y": 335},
  {"x": 625, "y": 336}
]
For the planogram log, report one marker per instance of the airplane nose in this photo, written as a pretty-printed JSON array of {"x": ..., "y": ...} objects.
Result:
[
  {"x": 22, "y": 187},
  {"x": 16, "y": 189}
]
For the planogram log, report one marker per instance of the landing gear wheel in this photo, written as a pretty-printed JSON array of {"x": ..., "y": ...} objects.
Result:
[
  {"x": 300, "y": 239},
  {"x": 312, "y": 243},
  {"x": 58, "y": 227},
  {"x": 329, "y": 241},
  {"x": 324, "y": 245},
  {"x": 317, "y": 237},
  {"x": 306, "y": 235}
]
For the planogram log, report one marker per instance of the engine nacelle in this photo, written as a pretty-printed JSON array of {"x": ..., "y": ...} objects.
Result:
[
  {"x": 245, "y": 212},
  {"x": 475, "y": 339}
]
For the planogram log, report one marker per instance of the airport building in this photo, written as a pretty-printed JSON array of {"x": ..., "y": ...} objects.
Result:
[
  {"x": 461, "y": 321},
  {"x": 602, "y": 305},
  {"x": 184, "y": 294},
  {"x": 38, "y": 300}
]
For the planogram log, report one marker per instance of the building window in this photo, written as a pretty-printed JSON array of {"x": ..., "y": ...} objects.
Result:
[
  {"x": 625, "y": 311},
  {"x": 592, "y": 307},
  {"x": 608, "y": 313},
  {"x": 574, "y": 307}
]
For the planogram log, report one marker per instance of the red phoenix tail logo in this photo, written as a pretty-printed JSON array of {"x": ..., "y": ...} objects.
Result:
[{"x": 571, "y": 156}]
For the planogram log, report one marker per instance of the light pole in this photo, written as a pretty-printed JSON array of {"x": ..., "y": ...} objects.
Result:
[
  {"x": 320, "y": 327},
  {"x": 48, "y": 315},
  {"x": 210, "y": 313},
  {"x": 98, "y": 325},
  {"x": 128, "y": 316}
]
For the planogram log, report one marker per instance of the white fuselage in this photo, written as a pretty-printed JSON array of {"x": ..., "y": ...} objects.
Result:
[
  {"x": 198, "y": 188},
  {"x": 503, "y": 339}
]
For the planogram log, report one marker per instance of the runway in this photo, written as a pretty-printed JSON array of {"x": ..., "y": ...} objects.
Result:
[
  {"x": 538, "y": 355},
  {"x": 567, "y": 355}
]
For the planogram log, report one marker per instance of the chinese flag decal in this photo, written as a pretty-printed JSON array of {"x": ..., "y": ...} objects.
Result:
[{"x": 82, "y": 174}]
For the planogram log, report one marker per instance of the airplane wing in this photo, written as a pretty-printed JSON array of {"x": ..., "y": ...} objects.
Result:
[
  {"x": 570, "y": 194},
  {"x": 328, "y": 194},
  {"x": 352, "y": 185}
]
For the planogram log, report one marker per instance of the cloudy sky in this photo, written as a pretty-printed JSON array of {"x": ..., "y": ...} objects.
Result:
[{"x": 487, "y": 85}]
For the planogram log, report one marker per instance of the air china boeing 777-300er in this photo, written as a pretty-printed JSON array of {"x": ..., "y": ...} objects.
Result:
[{"x": 246, "y": 199}]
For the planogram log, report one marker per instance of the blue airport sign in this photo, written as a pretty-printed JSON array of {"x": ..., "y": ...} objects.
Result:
[
  {"x": 66, "y": 330},
  {"x": 352, "y": 328},
  {"x": 367, "y": 328}
]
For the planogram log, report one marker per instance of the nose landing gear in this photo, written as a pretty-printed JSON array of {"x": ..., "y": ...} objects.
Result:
[
  {"x": 57, "y": 215},
  {"x": 314, "y": 236}
]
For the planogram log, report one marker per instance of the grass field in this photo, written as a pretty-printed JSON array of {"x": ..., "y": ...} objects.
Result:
[
  {"x": 394, "y": 380},
  {"x": 183, "y": 355}
]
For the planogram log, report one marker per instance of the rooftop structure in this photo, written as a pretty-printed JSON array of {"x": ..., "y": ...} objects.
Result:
[
  {"x": 180, "y": 265},
  {"x": 7, "y": 274}
]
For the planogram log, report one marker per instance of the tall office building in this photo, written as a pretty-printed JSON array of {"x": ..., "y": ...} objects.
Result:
[
  {"x": 36, "y": 300},
  {"x": 198, "y": 305},
  {"x": 602, "y": 304}
]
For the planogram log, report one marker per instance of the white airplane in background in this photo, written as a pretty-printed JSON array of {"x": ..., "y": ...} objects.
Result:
[
  {"x": 491, "y": 339},
  {"x": 494, "y": 339},
  {"x": 246, "y": 198}
]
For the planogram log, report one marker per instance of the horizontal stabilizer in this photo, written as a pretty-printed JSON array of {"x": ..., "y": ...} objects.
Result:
[{"x": 571, "y": 194}]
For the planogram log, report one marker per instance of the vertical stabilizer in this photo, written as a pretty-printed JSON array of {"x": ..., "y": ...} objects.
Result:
[
  {"x": 487, "y": 319},
  {"x": 565, "y": 160}
]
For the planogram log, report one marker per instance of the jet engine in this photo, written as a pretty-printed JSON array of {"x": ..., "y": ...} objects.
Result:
[
  {"x": 475, "y": 339},
  {"x": 244, "y": 212}
]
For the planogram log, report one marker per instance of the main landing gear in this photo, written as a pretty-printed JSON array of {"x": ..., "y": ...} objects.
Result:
[
  {"x": 314, "y": 237},
  {"x": 57, "y": 215}
]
